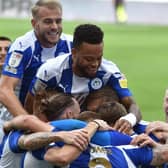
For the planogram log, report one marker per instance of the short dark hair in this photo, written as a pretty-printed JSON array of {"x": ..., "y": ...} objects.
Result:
[
  {"x": 88, "y": 33},
  {"x": 4, "y": 38}
]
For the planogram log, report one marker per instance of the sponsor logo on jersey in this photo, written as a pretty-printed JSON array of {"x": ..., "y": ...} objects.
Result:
[
  {"x": 99, "y": 157},
  {"x": 15, "y": 59},
  {"x": 36, "y": 57},
  {"x": 10, "y": 69},
  {"x": 123, "y": 82},
  {"x": 96, "y": 83}
]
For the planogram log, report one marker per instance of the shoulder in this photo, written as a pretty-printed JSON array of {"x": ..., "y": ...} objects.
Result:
[
  {"x": 109, "y": 66},
  {"x": 66, "y": 37},
  {"x": 24, "y": 42},
  {"x": 59, "y": 61},
  {"x": 55, "y": 65}
]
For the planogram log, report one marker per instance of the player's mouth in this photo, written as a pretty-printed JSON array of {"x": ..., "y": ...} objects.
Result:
[{"x": 53, "y": 34}]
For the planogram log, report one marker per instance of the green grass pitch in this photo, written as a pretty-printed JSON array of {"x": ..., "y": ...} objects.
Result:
[{"x": 140, "y": 51}]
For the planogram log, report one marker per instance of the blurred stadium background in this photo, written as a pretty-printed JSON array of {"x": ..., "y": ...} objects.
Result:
[
  {"x": 139, "y": 11},
  {"x": 139, "y": 47}
]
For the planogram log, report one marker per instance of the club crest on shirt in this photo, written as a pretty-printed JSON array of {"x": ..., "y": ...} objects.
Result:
[
  {"x": 15, "y": 59},
  {"x": 96, "y": 83}
]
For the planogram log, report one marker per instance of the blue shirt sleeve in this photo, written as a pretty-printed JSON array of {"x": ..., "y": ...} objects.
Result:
[
  {"x": 100, "y": 137},
  {"x": 140, "y": 128},
  {"x": 140, "y": 156},
  {"x": 16, "y": 61},
  {"x": 13, "y": 141},
  {"x": 110, "y": 138},
  {"x": 68, "y": 124},
  {"x": 116, "y": 83}
]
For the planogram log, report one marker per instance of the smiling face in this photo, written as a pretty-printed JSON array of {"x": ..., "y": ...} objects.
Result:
[
  {"x": 87, "y": 59},
  {"x": 48, "y": 25}
]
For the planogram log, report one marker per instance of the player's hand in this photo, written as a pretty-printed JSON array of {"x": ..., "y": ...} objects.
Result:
[
  {"x": 143, "y": 140},
  {"x": 157, "y": 126},
  {"x": 123, "y": 126},
  {"x": 6, "y": 127},
  {"x": 103, "y": 126},
  {"x": 78, "y": 138},
  {"x": 159, "y": 129}
]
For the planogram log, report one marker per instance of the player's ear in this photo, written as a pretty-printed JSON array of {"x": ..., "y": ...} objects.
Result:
[
  {"x": 69, "y": 114},
  {"x": 33, "y": 23},
  {"x": 73, "y": 52}
]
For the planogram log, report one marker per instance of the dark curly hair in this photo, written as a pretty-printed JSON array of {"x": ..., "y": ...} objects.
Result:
[{"x": 88, "y": 33}]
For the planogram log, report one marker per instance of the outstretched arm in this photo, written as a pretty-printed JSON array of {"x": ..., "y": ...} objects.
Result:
[
  {"x": 68, "y": 153},
  {"x": 78, "y": 138},
  {"x": 27, "y": 122}
]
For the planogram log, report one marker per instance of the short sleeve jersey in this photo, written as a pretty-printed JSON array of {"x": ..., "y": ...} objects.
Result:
[
  {"x": 126, "y": 156},
  {"x": 99, "y": 156},
  {"x": 57, "y": 73},
  {"x": 99, "y": 138},
  {"x": 26, "y": 55}
]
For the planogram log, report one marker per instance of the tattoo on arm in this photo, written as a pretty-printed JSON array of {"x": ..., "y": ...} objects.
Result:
[{"x": 37, "y": 140}]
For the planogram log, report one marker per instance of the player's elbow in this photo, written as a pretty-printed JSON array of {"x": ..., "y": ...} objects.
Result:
[
  {"x": 57, "y": 158},
  {"x": 28, "y": 120},
  {"x": 4, "y": 93}
]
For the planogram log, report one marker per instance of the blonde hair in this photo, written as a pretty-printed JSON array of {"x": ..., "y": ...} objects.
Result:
[{"x": 51, "y": 4}]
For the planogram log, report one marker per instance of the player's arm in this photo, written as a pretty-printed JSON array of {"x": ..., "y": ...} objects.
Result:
[
  {"x": 78, "y": 138},
  {"x": 68, "y": 153},
  {"x": 157, "y": 126},
  {"x": 125, "y": 123},
  {"x": 8, "y": 97},
  {"x": 160, "y": 152},
  {"x": 27, "y": 122},
  {"x": 132, "y": 107},
  {"x": 160, "y": 155},
  {"x": 159, "y": 129}
]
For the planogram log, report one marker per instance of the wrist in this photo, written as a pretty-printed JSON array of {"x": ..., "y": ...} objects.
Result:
[
  {"x": 95, "y": 124},
  {"x": 131, "y": 118}
]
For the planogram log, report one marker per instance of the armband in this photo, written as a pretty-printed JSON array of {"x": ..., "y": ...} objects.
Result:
[{"x": 130, "y": 118}]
